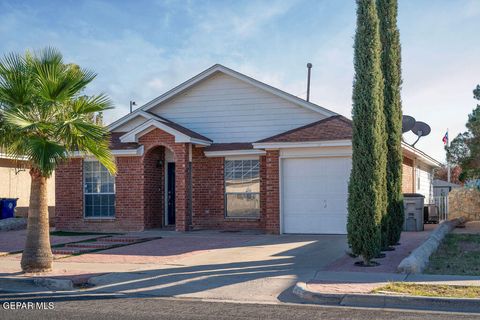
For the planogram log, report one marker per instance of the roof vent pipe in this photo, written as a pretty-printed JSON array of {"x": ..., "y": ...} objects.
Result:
[
  {"x": 132, "y": 103},
  {"x": 309, "y": 67}
]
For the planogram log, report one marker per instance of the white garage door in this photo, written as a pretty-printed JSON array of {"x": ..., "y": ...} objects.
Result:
[{"x": 315, "y": 192}]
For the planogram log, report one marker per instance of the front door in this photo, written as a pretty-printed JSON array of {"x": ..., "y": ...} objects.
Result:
[{"x": 171, "y": 193}]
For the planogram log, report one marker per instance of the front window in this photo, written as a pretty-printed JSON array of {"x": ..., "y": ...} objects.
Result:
[
  {"x": 242, "y": 188},
  {"x": 99, "y": 191}
]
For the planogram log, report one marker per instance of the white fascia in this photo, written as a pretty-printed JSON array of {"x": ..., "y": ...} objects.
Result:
[
  {"x": 305, "y": 144},
  {"x": 420, "y": 155},
  {"x": 250, "y": 152},
  {"x": 8, "y": 157},
  {"x": 116, "y": 153}
]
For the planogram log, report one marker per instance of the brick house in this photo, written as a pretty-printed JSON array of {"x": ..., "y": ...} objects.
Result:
[{"x": 222, "y": 151}]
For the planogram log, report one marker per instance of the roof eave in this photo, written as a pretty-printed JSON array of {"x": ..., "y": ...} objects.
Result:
[
  {"x": 421, "y": 155},
  {"x": 302, "y": 144},
  {"x": 226, "y": 153},
  {"x": 115, "y": 152}
]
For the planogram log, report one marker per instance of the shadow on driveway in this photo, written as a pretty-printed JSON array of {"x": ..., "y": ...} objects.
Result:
[{"x": 262, "y": 269}]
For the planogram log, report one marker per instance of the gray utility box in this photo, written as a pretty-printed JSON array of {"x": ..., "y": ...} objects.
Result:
[{"x": 413, "y": 206}]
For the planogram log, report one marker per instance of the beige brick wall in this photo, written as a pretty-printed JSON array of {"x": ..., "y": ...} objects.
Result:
[
  {"x": 408, "y": 176},
  {"x": 15, "y": 183}
]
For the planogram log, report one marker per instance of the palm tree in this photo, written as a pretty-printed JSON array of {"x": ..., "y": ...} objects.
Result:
[{"x": 44, "y": 118}]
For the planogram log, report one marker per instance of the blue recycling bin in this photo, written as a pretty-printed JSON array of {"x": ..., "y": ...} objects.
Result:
[{"x": 7, "y": 206}]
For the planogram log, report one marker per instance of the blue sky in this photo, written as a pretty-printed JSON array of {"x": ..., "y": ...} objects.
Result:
[{"x": 142, "y": 48}]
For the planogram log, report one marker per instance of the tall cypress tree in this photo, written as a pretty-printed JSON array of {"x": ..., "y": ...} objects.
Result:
[
  {"x": 391, "y": 69},
  {"x": 367, "y": 186}
]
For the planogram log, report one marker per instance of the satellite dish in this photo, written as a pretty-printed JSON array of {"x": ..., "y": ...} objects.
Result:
[
  {"x": 421, "y": 129},
  {"x": 407, "y": 123}
]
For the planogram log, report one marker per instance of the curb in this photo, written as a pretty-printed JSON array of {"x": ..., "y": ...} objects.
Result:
[
  {"x": 48, "y": 283},
  {"x": 388, "y": 301},
  {"x": 418, "y": 259},
  {"x": 54, "y": 284}
]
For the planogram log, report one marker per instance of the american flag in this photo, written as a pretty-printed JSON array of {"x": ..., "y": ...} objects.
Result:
[{"x": 445, "y": 138}]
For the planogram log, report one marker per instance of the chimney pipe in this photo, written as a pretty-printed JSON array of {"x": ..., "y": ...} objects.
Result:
[
  {"x": 132, "y": 103},
  {"x": 309, "y": 67}
]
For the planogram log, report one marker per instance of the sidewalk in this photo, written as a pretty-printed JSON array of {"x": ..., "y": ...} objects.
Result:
[
  {"x": 354, "y": 289},
  {"x": 361, "y": 282}
]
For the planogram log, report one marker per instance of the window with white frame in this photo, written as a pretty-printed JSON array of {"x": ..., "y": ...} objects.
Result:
[
  {"x": 99, "y": 190},
  {"x": 242, "y": 188}
]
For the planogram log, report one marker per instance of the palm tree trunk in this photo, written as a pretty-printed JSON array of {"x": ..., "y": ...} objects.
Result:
[{"x": 37, "y": 256}]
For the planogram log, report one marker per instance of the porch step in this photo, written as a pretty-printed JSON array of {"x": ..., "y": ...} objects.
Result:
[
  {"x": 94, "y": 245},
  {"x": 69, "y": 251},
  {"x": 123, "y": 239}
]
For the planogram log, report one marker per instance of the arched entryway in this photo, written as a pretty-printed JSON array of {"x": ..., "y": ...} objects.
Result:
[{"x": 159, "y": 187}]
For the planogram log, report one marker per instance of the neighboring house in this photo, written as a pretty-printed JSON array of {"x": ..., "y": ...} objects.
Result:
[
  {"x": 220, "y": 151},
  {"x": 418, "y": 172},
  {"x": 15, "y": 183},
  {"x": 441, "y": 188}
]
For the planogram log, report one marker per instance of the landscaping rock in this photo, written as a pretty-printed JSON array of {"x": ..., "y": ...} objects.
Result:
[
  {"x": 464, "y": 202},
  {"x": 13, "y": 224},
  {"x": 417, "y": 261}
]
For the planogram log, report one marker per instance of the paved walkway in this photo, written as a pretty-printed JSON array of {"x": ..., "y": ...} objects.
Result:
[{"x": 408, "y": 242}]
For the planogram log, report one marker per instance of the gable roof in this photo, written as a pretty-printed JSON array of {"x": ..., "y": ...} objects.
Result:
[
  {"x": 116, "y": 144},
  {"x": 180, "y": 133},
  {"x": 442, "y": 183},
  {"x": 209, "y": 72},
  {"x": 333, "y": 128},
  {"x": 179, "y": 128}
]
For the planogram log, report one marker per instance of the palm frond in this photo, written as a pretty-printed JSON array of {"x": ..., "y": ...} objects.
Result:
[
  {"x": 44, "y": 154},
  {"x": 15, "y": 80},
  {"x": 42, "y": 115},
  {"x": 91, "y": 104},
  {"x": 19, "y": 118},
  {"x": 102, "y": 153}
]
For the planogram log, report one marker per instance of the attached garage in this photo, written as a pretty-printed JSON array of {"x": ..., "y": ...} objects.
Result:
[
  {"x": 314, "y": 194},
  {"x": 315, "y": 162}
]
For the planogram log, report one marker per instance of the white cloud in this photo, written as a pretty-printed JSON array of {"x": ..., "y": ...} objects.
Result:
[{"x": 440, "y": 61}]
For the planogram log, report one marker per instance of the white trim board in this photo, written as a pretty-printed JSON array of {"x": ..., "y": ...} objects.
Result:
[
  {"x": 116, "y": 153},
  {"x": 306, "y": 144},
  {"x": 211, "y": 154}
]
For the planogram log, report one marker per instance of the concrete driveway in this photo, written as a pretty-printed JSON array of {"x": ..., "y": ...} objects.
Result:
[{"x": 236, "y": 266}]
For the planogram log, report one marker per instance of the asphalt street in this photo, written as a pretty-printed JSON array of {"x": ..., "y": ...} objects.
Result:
[{"x": 105, "y": 307}]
